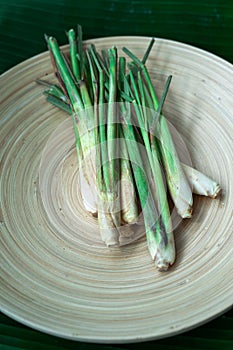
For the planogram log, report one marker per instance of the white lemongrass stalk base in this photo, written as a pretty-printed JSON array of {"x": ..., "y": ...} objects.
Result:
[
  {"x": 87, "y": 177},
  {"x": 200, "y": 183},
  {"x": 109, "y": 233}
]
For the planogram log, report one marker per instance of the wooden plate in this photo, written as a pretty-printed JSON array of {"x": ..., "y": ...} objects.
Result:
[{"x": 57, "y": 276}]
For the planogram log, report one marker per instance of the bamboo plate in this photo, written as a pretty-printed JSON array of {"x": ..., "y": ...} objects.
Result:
[{"x": 56, "y": 275}]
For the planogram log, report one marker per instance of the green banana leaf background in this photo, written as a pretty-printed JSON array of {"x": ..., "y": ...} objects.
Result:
[{"x": 207, "y": 24}]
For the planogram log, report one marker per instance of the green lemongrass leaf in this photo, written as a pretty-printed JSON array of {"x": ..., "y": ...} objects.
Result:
[
  {"x": 148, "y": 100},
  {"x": 54, "y": 90},
  {"x": 101, "y": 87},
  {"x": 126, "y": 97},
  {"x": 133, "y": 57},
  {"x": 112, "y": 124},
  {"x": 94, "y": 78},
  {"x": 112, "y": 139},
  {"x": 160, "y": 106},
  {"x": 133, "y": 66},
  {"x": 74, "y": 54},
  {"x": 124, "y": 94},
  {"x": 140, "y": 114},
  {"x": 44, "y": 83},
  {"x": 102, "y": 130},
  {"x": 127, "y": 88},
  {"x": 141, "y": 89},
  {"x": 56, "y": 97},
  {"x": 143, "y": 99},
  {"x": 95, "y": 58},
  {"x": 65, "y": 73},
  {"x": 80, "y": 50},
  {"x": 87, "y": 77},
  {"x": 100, "y": 64},
  {"x": 148, "y": 50},
  {"x": 112, "y": 115},
  {"x": 105, "y": 60},
  {"x": 86, "y": 97},
  {"x": 121, "y": 73},
  {"x": 141, "y": 65},
  {"x": 58, "y": 102},
  {"x": 134, "y": 91}
]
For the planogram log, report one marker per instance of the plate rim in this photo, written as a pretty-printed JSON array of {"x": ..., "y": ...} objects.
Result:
[
  {"x": 141, "y": 37},
  {"x": 174, "y": 332}
]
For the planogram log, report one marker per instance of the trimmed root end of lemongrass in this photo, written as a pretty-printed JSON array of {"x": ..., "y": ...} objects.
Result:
[
  {"x": 187, "y": 214},
  {"x": 183, "y": 205},
  {"x": 164, "y": 260},
  {"x": 200, "y": 183},
  {"x": 216, "y": 191},
  {"x": 127, "y": 232},
  {"x": 109, "y": 237},
  {"x": 162, "y": 266},
  {"x": 212, "y": 192},
  {"x": 184, "y": 210},
  {"x": 163, "y": 256},
  {"x": 112, "y": 244},
  {"x": 108, "y": 231}
]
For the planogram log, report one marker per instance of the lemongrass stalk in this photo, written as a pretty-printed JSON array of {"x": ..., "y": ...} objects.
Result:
[
  {"x": 160, "y": 244},
  {"x": 102, "y": 122},
  {"x": 159, "y": 193},
  {"x": 129, "y": 205},
  {"x": 112, "y": 127},
  {"x": 107, "y": 217},
  {"x": 112, "y": 139},
  {"x": 105, "y": 59},
  {"x": 160, "y": 190},
  {"x": 200, "y": 183},
  {"x": 177, "y": 182},
  {"x": 161, "y": 252},
  {"x": 80, "y": 52},
  {"x": 82, "y": 118}
]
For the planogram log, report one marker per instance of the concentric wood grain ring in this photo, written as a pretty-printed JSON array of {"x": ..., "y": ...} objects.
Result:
[{"x": 54, "y": 277}]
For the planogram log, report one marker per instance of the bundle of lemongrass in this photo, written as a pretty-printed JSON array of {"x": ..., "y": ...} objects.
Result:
[{"x": 123, "y": 144}]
